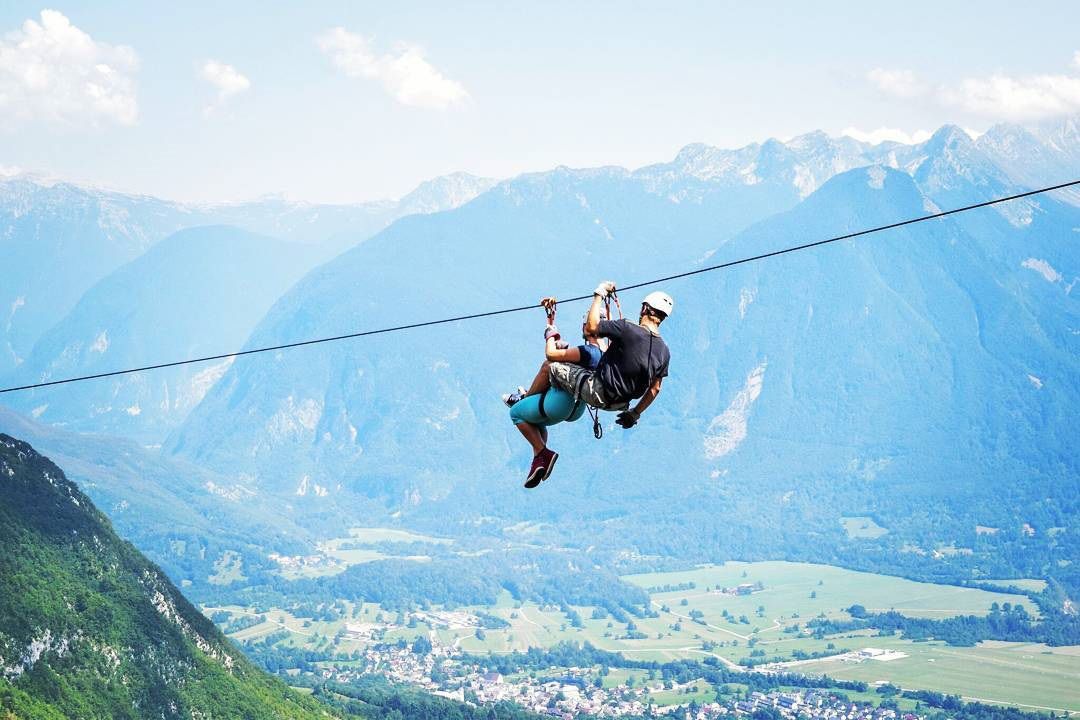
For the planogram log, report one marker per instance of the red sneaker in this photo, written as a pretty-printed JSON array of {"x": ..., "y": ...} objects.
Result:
[{"x": 542, "y": 466}]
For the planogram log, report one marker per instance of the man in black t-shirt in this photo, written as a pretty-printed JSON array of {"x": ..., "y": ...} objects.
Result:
[
  {"x": 633, "y": 366},
  {"x": 635, "y": 363}
]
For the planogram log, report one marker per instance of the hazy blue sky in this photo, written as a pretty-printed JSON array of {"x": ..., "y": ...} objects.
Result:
[{"x": 346, "y": 101}]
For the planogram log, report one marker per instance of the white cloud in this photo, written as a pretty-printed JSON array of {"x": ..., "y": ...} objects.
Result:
[
  {"x": 53, "y": 71},
  {"x": 1016, "y": 98},
  {"x": 998, "y": 96},
  {"x": 883, "y": 134},
  {"x": 404, "y": 73},
  {"x": 901, "y": 83},
  {"x": 226, "y": 79}
]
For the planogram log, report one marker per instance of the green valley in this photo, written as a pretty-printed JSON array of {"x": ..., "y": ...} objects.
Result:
[{"x": 741, "y": 615}]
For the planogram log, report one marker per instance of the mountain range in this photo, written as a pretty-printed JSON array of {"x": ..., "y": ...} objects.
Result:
[
  {"x": 590, "y": 222},
  {"x": 924, "y": 376},
  {"x": 130, "y": 296}
]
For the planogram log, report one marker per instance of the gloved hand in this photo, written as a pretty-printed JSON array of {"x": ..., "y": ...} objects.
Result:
[
  {"x": 561, "y": 345},
  {"x": 627, "y": 419},
  {"x": 604, "y": 289},
  {"x": 551, "y": 331}
]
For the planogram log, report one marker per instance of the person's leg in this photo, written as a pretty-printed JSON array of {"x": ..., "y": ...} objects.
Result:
[
  {"x": 542, "y": 381},
  {"x": 530, "y": 421},
  {"x": 534, "y": 435},
  {"x": 566, "y": 376}
]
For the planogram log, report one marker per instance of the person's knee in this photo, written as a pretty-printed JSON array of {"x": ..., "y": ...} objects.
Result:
[{"x": 526, "y": 410}]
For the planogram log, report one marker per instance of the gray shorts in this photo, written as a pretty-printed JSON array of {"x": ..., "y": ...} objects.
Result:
[{"x": 582, "y": 383}]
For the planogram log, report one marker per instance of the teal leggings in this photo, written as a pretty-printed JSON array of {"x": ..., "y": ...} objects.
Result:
[{"x": 548, "y": 408}]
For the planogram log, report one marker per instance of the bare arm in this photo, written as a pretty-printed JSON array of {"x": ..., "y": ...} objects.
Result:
[
  {"x": 592, "y": 323},
  {"x": 555, "y": 354},
  {"x": 648, "y": 397}
]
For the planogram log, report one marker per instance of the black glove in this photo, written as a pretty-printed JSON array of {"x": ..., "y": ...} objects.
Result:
[{"x": 627, "y": 419}]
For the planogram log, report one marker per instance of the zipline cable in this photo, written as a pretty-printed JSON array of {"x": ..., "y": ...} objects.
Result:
[{"x": 522, "y": 308}]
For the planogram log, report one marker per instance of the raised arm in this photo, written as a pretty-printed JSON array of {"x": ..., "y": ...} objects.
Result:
[{"x": 592, "y": 323}]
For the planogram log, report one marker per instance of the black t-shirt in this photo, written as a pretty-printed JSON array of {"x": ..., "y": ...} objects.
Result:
[{"x": 635, "y": 358}]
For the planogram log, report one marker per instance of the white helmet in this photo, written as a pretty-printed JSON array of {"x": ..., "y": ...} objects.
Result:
[{"x": 660, "y": 301}]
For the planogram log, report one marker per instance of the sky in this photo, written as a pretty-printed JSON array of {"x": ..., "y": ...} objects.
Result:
[{"x": 354, "y": 101}]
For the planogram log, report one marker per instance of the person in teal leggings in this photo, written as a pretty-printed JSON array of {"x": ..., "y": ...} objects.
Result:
[{"x": 544, "y": 405}]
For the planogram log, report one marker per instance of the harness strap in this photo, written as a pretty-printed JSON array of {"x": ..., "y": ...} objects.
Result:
[
  {"x": 594, "y": 413},
  {"x": 578, "y": 385},
  {"x": 543, "y": 413},
  {"x": 613, "y": 297}
]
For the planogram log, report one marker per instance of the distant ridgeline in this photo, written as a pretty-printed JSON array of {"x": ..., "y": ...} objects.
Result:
[{"x": 91, "y": 629}]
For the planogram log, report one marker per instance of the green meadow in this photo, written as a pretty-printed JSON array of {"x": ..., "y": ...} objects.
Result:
[
  {"x": 808, "y": 589},
  {"x": 1035, "y": 677},
  {"x": 705, "y": 620},
  {"x": 862, "y": 527}
]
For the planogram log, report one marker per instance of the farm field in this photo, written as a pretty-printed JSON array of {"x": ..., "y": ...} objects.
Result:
[
  {"x": 701, "y": 621},
  {"x": 361, "y": 545},
  {"x": 306, "y": 632},
  {"x": 1014, "y": 673},
  {"x": 350, "y": 551},
  {"x": 375, "y": 535},
  {"x": 862, "y": 527},
  {"x": 1022, "y": 583},
  {"x": 788, "y": 588}
]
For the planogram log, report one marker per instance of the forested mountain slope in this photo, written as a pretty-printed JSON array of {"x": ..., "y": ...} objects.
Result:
[{"x": 90, "y": 629}]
